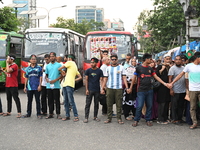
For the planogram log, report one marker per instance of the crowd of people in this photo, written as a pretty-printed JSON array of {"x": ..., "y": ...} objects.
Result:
[{"x": 154, "y": 90}]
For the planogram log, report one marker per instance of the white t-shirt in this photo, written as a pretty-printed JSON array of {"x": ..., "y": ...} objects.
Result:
[
  {"x": 103, "y": 68},
  {"x": 114, "y": 75},
  {"x": 194, "y": 76},
  {"x": 44, "y": 82}
]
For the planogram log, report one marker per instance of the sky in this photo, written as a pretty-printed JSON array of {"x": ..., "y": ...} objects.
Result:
[{"x": 127, "y": 10}]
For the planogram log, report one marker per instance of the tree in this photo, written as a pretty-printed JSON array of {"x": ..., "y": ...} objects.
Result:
[
  {"x": 83, "y": 27},
  {"x": 8, "y": 20},
  {"x": 164, "y": 24}
]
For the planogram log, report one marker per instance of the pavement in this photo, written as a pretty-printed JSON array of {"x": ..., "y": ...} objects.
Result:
[{"x": 53, "y": 134}]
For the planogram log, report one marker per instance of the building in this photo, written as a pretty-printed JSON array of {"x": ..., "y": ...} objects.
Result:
[
  {"x": 31, "y": 5},
  {"x": 89, "y": 13},
  {"x": 115, "y": 23}
]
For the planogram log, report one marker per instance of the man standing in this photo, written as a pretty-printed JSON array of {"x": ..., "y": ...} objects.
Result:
[
  {"x": 126, "y": 64},
  {"x": 44, "y": 89},
  {"x": 144, "y": 74},
  {"x": 114, "y": 91},
  {"x": 106, "y": 62},
  {"x": 178, "y": 91},
  {"x": 92, "y": 76},
  {"x": 68, "y": 86},
  {"x": 163, "y": 97},
  {"x": 32, "y": 86},
  {"x": 53, "y": 87},
  {"x": 194, "y": 86},
  {"x": 12, "y": 85}
]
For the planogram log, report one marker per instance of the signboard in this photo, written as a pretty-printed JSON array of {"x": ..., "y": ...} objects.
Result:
[
  {"x": 194, "y": 32},
  {"x": 3, "y": 37}
]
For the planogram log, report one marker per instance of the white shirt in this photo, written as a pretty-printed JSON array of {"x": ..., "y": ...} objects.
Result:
[
  {"x": 103, "y": 68},
  {"x": 44, "y": 82}
]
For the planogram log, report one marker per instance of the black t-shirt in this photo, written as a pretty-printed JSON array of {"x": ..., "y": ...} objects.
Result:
[
  {"x": 144, "y": 74},
  {"x": 93, "y": 79}
]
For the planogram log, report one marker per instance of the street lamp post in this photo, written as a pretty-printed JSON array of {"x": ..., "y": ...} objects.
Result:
[{"x": 48, "y": 11}]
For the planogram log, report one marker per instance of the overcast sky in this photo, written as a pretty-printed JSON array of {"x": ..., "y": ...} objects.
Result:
[{"x": 127, "y": 10}]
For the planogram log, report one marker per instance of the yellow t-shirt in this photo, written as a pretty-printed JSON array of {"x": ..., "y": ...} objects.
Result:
[{"x": 72, "y": 72}]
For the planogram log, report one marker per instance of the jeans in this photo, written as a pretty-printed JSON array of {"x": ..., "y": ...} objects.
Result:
[
  {"x": 1, "y": 110},
  {"x": 142, "y": 97},
  {"x": 178, "y": 101},
  {"x": 13, "y": 92},
  {"x": 53, "y": 95},
  {"x": 114, "y": 95},
  {"x": 44, "y": 100},
  {"x": 69, "y": 99},
  {"x": 37, "y": 100},
  {"x": 89, "y": 101}
]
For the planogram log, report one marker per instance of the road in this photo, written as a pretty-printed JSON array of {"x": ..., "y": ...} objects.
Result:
[{"x": 53, "y": 134}]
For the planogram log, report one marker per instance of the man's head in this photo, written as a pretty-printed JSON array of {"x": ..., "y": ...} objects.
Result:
[
  {"x": 65, "y": 58},
  {"x": 71, "y": 57},
  {"x": 53, "y": 57},
  {"x": 197, "y": 56},
  {"x": 167, "y": 59},
  {"x": 133, "y": 62},
  {"x": 192, "y": 59},
  {"x": 59, "y": 59},
  {"x": 114, "y": 59},
  {"x": 47, "y": 58},
  {"x": 105, "y": 53},
  {"x": 147, "y": 58},
  {"x": 184, "y": 60},
  {"x": 158, "y": 62},
  {"x": 128, "y": 57},
  {"x": 178, "y": 61},
  {"x": 33, "y": 59},
  {"x": 106, "y": 60},
  {"x": 11, "y": 58},
  {"x": 94, "y": 62}
]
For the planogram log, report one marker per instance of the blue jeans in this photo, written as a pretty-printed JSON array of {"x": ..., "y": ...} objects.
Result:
[
  {"x": 30, "y": 99},
  {"x": 142, "y": 97},
  {"x": 69, "y": 99},
  {"x": 0, "y": 106}
]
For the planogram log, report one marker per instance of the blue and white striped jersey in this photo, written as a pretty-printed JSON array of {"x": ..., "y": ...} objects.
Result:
[{"x": 114, "y": 75}]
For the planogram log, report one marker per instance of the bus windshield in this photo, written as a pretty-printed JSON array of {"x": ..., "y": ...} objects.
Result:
[
  {"x": 43, "y": 43},
  {"x": 3, "y": 38},
  {"x": 119, "y": 44}
]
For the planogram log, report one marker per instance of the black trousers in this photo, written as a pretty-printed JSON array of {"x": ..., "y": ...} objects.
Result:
[
  {"x": 30, "y": 100},
  {"x": 89, "y": 97},
  {"x": 53, "y": 95},
  {"x": 44, "y": 100},
  {"x": 163, "y": 111},
  {"x": 178, "y": 101},
  {"x": 13, "y": 92}
]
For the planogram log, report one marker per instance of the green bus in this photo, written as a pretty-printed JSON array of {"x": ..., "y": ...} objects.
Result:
[{"x": 11, "y": 43}]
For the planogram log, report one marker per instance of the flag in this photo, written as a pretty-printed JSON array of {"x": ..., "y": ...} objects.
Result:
[{"x": 189, "y": 54}]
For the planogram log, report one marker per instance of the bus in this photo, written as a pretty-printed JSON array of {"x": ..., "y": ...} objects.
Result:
[
  {"x": 10, "y": 43},
  {"x": 40, "y": 41},
  {"x": 118, "y": 42}
]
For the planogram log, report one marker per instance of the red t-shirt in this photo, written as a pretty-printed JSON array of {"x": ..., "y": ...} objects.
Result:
[{"x": 11, "y": 78}]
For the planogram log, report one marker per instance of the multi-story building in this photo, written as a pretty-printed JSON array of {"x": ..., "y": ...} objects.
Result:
[
  {"x": 116, "y": 23},
  {"x": 89, "y": 13}
]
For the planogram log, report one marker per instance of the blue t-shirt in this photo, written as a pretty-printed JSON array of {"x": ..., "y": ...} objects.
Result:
[
  {"x": 33, "y": 74},
  {"x": 93, "y": 79},
  {"x": 53, "y": 73}
]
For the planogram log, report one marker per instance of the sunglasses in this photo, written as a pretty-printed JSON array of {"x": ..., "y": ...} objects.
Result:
[{"x": 113, "y": 59}]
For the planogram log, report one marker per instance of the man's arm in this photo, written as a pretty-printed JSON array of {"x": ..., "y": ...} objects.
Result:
[
  {"x": 86, "y": 85},
  {"x": 170, "y": 80},
  {"x": 25, "y": 84},
  {"x": 160, "y": 80},
  {"x": 61, "y": 68},
  {"x": 132, "y": 83},
  {"x": 53, "y": 81},
  {"x": 125, "y": 81},
  {"x": 178, "y": 77},
  {"x": 79, "y": 77}
]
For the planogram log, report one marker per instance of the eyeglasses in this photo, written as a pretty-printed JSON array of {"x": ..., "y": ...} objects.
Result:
[{"x": 113, "y": 59}]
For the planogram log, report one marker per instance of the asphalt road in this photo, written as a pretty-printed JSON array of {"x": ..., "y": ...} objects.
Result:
[{"x": 53, "y": 134}]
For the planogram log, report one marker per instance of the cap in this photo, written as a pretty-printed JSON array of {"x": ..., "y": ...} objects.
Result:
[
  {"x": 167, "y": 55},
  {"x": 53, "y": 53},
  {"x": 94, "y": 59}
]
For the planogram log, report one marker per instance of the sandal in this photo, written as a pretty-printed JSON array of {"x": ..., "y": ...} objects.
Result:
[
  {"x": 19, "y": 115},
  {"x": 107, "y": 121},
  {"x": 48, "y": 117},
  {"x": 135, "y": 124},
  {"x": 39, "y": 117},
  {"x": 85, "y": 121},
  {"x": 194, "y": 126},
  {"x": 120, "y": 122},
  {"x": 76, "y": 119},
  {"x": 96, "y": 119},
  {"x": 6, "y": 114},
  {"x": 66, "y": 118},
  {"x": 128, "y": 118},
  {"x": 1, "y": 113},
  {"x": 59, "y": 117}
]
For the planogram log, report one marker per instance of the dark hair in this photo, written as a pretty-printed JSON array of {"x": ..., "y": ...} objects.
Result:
[
  {"x": 192, "y": 59},
  {"x": 178, "y": 56},
  {"x": 66, "y": 55},
  {"x": 128, "y": 54},
  {"x": 158, "y": 60},
  {"x": 197, "y": 54},
  {"x": 105, "y": 51},
  {"x": 95, "y": 59},
  {"x": 184, "y": 57},
  {"x": 146, "y": 56},
  {"x": 46, "y": 56},
  {"x": 53, "y": 53},
  {"x": 72, "y": 56},
  {"x": 114, "y": 55},
  {"x": 12, "y": 56}
]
